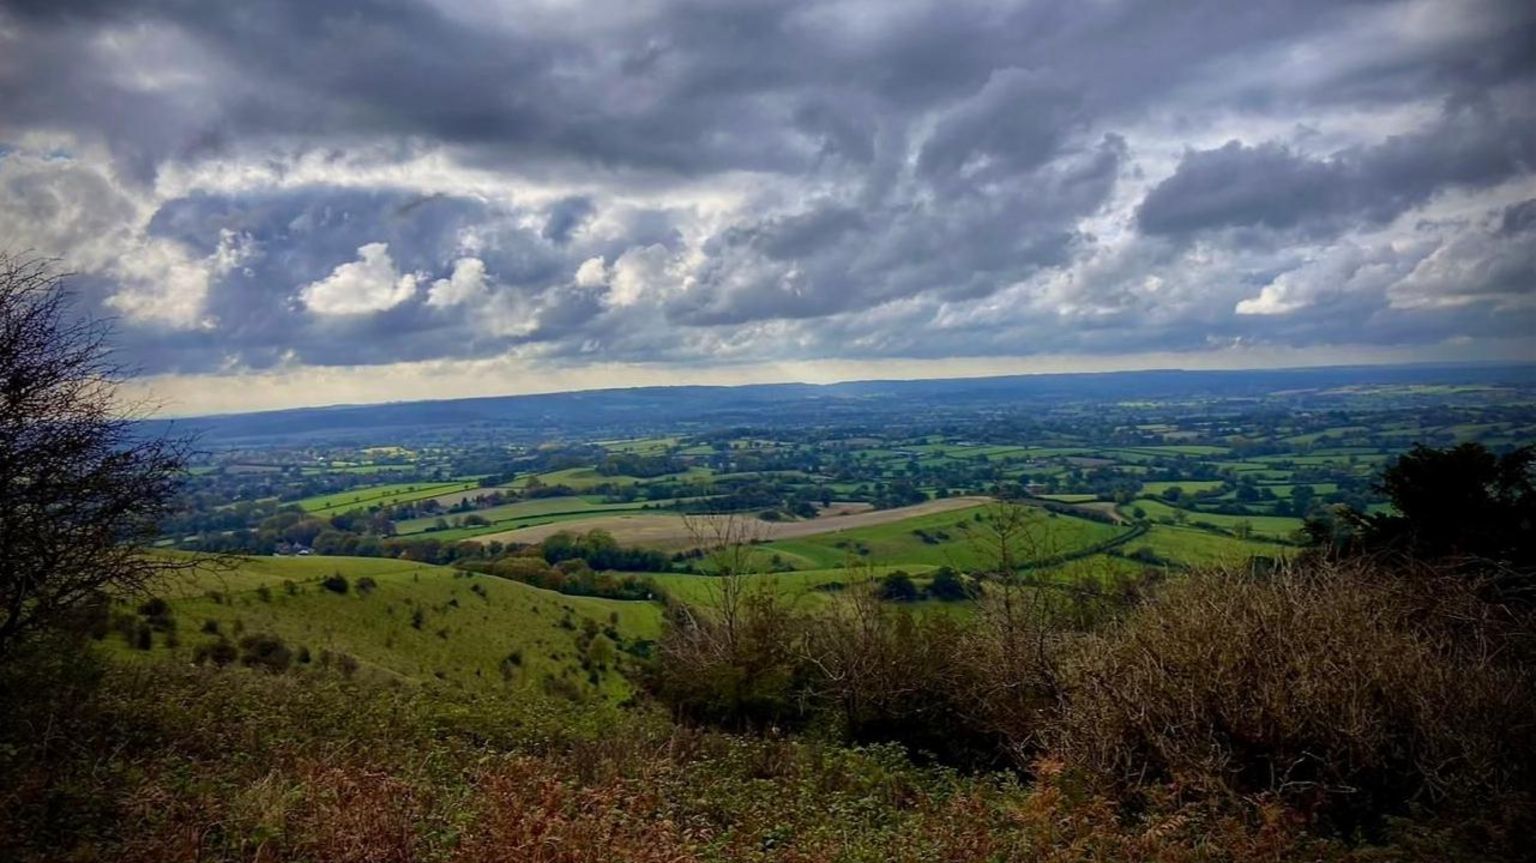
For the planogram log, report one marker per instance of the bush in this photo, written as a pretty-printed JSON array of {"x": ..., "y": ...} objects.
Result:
[
  {"x": 737, "y": 665},
  {"x": 335, "y": 583},
  {"x": 366, "y": 585},
  {"x": 882, "y": 674},
  {"x": 1344, "y": 689},
  {"x": 157, "y": 615},
  {"x": 948, "y": 586},
  {"x": 265, "y": 651},
  {"x": 898, "y": 587},
  {"x": 220, "y": 653}
]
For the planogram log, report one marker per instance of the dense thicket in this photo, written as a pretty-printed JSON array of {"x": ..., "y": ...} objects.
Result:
[{"x": 1351, "y": 691}]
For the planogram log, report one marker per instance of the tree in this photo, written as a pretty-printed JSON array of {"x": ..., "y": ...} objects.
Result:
[
  {"x": 82, "y": 489},
  {"x": 898, "y": 587},
  {"x": 1464, "y": 502}
]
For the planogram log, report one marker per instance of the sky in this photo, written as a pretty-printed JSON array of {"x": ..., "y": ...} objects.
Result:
[{"x": 297, "y": 202}]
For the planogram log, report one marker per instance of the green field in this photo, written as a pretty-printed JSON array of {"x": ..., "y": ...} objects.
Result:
[
  {"x": 1264, "y": 526},
  {"x": 519, "y": 514},
  {"x": 582, "y": 478},
  {"x": 1189, "y": 486},
  {"x": 898, "y": 543},
  {"x": 798, "y": 587},
  {"x": 380, "y": 495},
  {"x": 469, "y": 624},
  {"x": 1191, "y": 546}
]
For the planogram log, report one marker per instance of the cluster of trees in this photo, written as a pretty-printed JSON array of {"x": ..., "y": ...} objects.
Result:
[
  {"x": 599, "y": 550},
  {"x": 573, "y": 576}
]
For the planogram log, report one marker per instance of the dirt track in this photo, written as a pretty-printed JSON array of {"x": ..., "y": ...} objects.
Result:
[{"x": 669, "y": 531}]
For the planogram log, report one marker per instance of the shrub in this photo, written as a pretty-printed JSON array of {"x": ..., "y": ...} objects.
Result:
[
  {"x": 898, "y": 587},
  {"x": 335, "y": 583},
  {"x": 157, "y": 615},
  {"x": 948, "y": 586},
  {"x": 1339, "y": 687},
  {"x": 366, "y": 585},
  {"x": 265, "y": 651},
  {"x": 220, "y": 653},
  {"x": 735, "y": 665}
]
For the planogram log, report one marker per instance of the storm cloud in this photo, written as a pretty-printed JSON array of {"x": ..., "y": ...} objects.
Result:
[{"x": 300, "y": 185}]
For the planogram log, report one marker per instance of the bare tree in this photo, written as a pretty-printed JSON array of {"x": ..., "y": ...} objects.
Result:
[
  {"x": 727, "y": 541},
  {"x": 81, "y": 489}
]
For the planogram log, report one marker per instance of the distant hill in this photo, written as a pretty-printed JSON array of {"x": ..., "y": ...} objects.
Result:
[{"x": 636, "y": 410}]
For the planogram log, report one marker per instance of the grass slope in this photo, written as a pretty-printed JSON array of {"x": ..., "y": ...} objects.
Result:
[{"x": 469, "y": 624}]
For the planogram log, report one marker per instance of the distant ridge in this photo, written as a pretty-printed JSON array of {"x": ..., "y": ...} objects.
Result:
[{"x": 667, "y": 407}]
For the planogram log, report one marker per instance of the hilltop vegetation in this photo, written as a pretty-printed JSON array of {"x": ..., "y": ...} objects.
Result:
[
  {"x": 396, "y": 621},
  {"x": 1170, "y": 629}
]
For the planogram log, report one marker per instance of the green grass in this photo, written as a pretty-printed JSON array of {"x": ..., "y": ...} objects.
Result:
[
  {"x": 1190, "y": 486},
  {"x": 581, "y": 478},
  {"x": 502, "y": 517},
  {"x": 1191, "y": 546},
  {"x": 380, "y": 495},
  {"x": 796, "y": 587},
  {"x": 640, "y": 446},
  {"x": 1181, "y": 449},
  {"x": 1264, "y": 526},
  {"x": 896, "y": 544},
  {"x": 463, "y": 638},
  {"x": 1285, "y": 490}
]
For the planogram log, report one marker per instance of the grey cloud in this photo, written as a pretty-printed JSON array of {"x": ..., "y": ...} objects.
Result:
[
  {"x": 802, "y": 179},
  {"x": 1272, "y": 186},
  {"x": 565, "y": 216}
]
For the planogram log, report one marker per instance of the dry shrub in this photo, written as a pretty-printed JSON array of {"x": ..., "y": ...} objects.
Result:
[
  {"x": 1008, "y": 659},
  {"x": 880, "y": 673},
  {"x": 357, "y": 813},
  {"x": 1341, "y": 688},
  {"x": 527, "y": 813},
  {"x": 736, "y": 665},
  {"x": 346, "y": 812}
]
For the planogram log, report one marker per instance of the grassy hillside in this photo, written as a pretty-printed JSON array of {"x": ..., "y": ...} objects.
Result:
[{"x": 416, "y": 622}]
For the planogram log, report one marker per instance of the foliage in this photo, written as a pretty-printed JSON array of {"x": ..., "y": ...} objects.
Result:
[
  {"x": 81, "y": 492},
  {"x": 1345, "y": 689},
  {"x": 1462, "y": 502}
]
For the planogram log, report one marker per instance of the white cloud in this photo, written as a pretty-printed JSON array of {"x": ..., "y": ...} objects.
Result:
[
  {"x": 368, "y": 284},
  {"x": 162, "y": 282},
  {"x": 651, "y": 270},
  {"x": 465, "y": 283},
  {"x": 592, "y": 273},
  {"x": 1345, "y": 271}
]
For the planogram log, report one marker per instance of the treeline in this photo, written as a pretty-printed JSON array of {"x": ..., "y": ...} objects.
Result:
[{"x": 580, "y": 564}]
